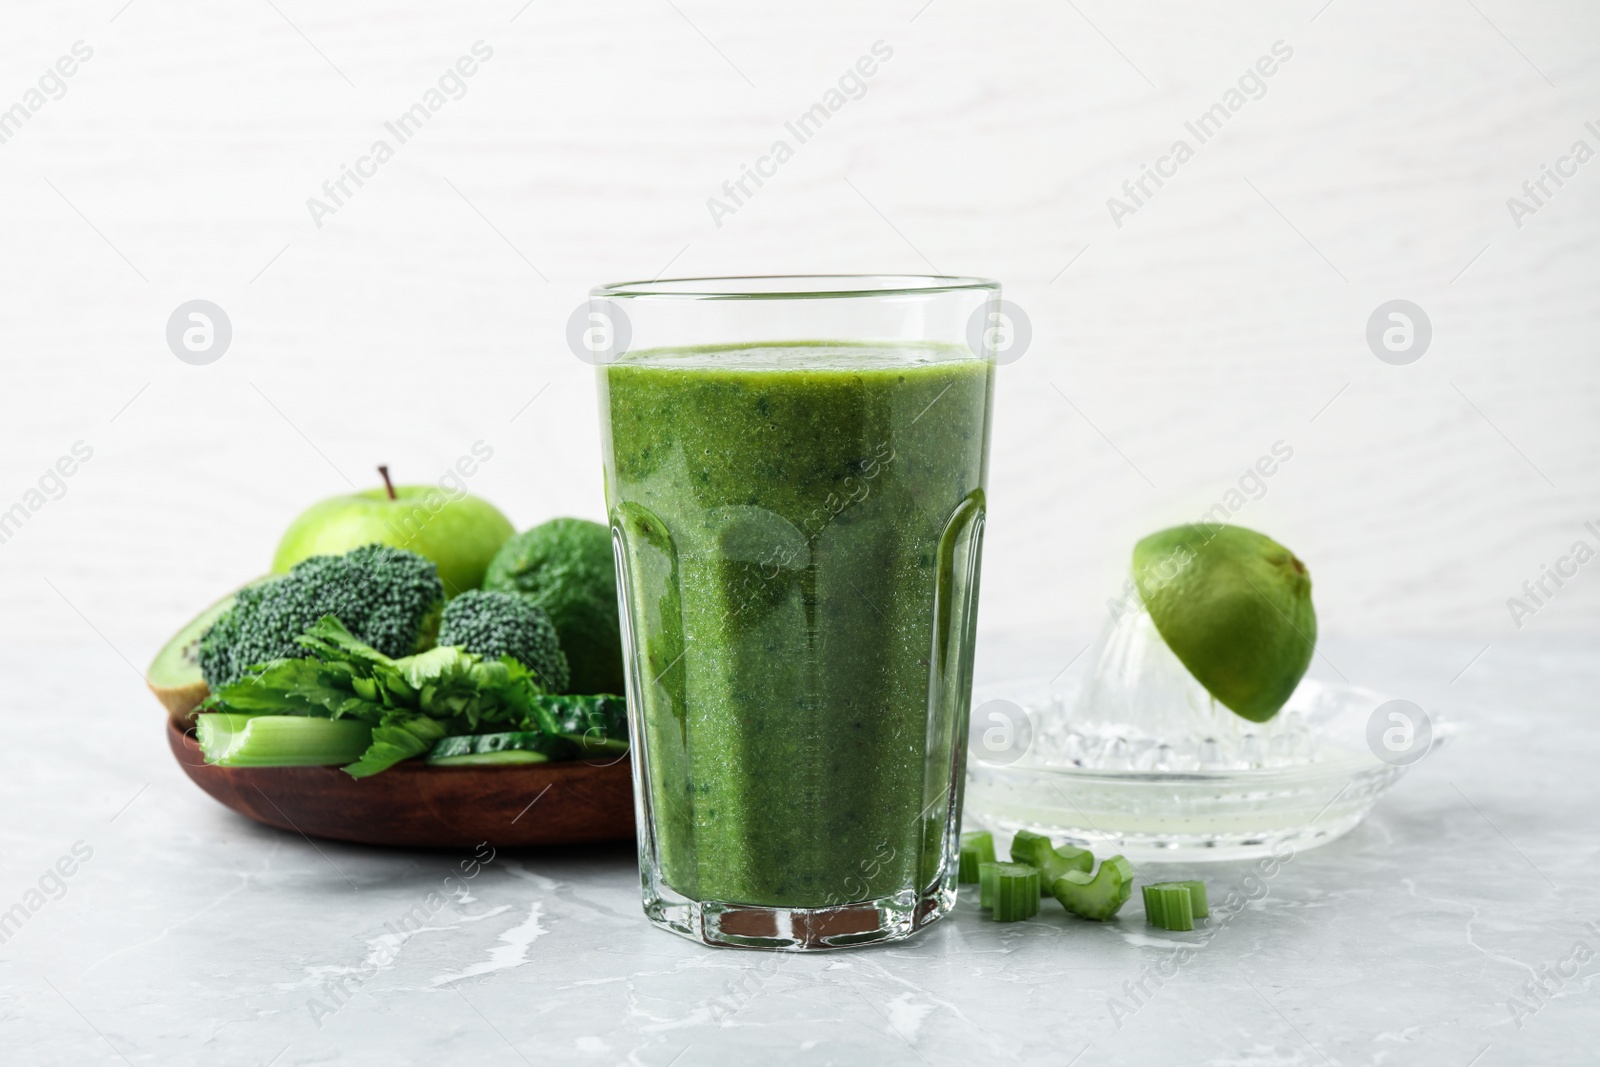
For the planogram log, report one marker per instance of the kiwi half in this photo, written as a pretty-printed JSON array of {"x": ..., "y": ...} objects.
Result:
[
  {"x": 1235, "y": 608},
  {"x": 174, "y": 675}
]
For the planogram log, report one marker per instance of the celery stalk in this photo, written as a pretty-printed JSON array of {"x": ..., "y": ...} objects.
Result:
[{"x": 280, "y": 740}]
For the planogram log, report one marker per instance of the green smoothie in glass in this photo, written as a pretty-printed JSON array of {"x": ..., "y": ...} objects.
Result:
[{"x": 798, "y": 529}]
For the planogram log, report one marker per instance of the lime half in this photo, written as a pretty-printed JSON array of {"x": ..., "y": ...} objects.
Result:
[{"x": 1235, "y": 608}]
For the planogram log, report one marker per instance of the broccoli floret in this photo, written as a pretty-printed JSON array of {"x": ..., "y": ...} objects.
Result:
[
  {"x": 387, "y": 597},
  {"x": 565, "y": 567},
  {"x": 492, "y": 625}
]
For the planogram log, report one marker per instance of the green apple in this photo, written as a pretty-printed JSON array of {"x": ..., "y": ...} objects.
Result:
[{"x": 460, "y": 533}]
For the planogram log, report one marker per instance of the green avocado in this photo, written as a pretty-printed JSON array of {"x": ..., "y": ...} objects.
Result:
[
  {"x": 1235, "y": 607},
  {"x": 565, "y": 567}
]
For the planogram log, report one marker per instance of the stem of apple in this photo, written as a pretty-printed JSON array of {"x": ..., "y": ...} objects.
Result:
[{"x": 383, "y": 469}]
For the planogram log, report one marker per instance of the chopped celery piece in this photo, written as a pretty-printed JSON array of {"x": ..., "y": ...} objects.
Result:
[
  {"x": 976, "y": 847},
  {"x": 1169, "y": 905},
  {"x": 280, "y": 740},
  {"x": 1011, "y": 889},
  {"x": 1100, "y": 897},
  {"x": 1023, "y": 844},
  {"x": 1197, "y": 897},
  {"x": 988, "y": 876},
  {"x": 1038, "y": 851}
]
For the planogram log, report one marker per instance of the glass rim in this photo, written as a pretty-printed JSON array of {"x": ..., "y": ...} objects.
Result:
[{"x": 793, "y": 287}]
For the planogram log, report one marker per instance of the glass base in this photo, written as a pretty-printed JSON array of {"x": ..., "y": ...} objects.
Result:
[{"x": 866, "y": 922}]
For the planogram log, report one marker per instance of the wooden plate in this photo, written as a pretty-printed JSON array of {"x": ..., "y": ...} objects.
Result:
[{"x": 416, "y": 806}]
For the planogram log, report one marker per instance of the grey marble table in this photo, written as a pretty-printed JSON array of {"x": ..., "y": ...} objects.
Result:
[{"x": 1456, "y": 926}]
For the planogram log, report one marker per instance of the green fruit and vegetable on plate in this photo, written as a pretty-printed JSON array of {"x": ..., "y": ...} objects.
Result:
[{"x": 398, "y": 624}]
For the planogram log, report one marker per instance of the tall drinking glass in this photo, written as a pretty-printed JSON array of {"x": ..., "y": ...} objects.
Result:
[{"x": 795, "y": 473}]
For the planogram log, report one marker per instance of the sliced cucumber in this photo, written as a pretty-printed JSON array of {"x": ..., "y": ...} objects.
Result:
[
  {"x": 505, "y": 758},
  {"x": 488, "y": 750},
  {"x": 229, "y": 740},
  {"x": 597, "y": 724}
]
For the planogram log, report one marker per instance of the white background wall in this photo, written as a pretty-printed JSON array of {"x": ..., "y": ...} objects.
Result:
[{"x": 1226, "y": 315}]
